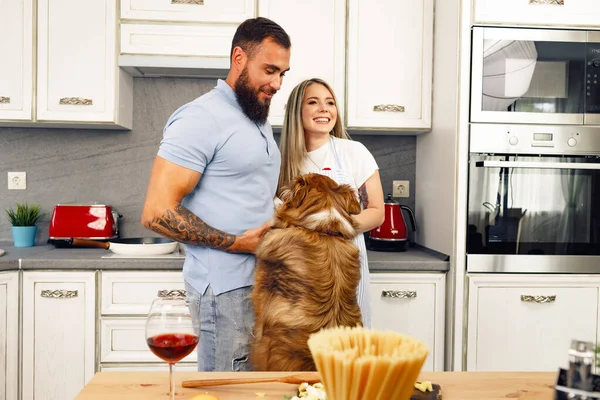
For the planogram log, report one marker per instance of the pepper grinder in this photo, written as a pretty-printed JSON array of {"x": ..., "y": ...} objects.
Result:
[{"x": 579, "y": 374}]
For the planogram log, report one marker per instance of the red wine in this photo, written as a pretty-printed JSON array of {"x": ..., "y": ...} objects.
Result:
[{"x": 172, "y": 347}]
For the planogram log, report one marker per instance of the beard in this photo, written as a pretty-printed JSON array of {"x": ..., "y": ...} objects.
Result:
[{"x": 247, "y": 96}]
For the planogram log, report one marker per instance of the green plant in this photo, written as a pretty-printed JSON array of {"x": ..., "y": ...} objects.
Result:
[{"x": 24, "y": 215}]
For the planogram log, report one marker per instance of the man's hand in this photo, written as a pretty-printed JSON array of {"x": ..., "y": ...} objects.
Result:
[{"x": 248, "y": 241}]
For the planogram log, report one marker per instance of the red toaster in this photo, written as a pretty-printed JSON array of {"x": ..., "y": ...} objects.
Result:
[{"x": 85, "y": 221}]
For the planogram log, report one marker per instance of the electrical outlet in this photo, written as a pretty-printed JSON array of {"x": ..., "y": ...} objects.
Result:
[
  {"x": 17, "y": 180},
  {"x": 401, "y": 188}
]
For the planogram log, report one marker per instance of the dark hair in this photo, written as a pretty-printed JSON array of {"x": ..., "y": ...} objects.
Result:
[{"x": 250, "y": 34}]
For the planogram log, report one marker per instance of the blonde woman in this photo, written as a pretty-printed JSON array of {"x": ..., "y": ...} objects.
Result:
[{"x": 313, "y": 140}]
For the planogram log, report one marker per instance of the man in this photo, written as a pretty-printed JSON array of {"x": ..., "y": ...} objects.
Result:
[{"x": 212, "y": 187}]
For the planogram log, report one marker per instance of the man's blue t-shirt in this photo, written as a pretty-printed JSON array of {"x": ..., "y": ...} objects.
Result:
[{"x": 239, "y": 162}]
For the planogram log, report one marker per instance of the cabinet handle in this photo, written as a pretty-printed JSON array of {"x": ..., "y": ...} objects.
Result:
[
  {"x": 388, "y": 108},
  {"x": 75, "y": 101},
  {"x": 554, "y": 2},
  {"x": 59, "y": 294},
  {"x": 171, "y": 293},
  {"x": 538, "y": 299},
  {"x": 399, "y": 294},
  {"x": 197, "y": 2},
  {"x": 4, "y": 100}
]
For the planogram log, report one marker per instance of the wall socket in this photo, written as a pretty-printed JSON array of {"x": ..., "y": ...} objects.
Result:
[
  {"x": 17, "y": 180},
  {"x": 401, "y": 188}
]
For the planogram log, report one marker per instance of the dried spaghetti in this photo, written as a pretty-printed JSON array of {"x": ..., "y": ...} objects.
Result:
[{"x": 357, "y": 363}]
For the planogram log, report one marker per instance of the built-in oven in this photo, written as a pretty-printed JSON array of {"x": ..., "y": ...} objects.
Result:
[
  {"x": 535, "y": 76},
  {"x": 533, "y": 199}
]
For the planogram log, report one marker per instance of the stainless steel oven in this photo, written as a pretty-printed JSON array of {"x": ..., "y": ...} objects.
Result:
[
  {"x": 535, "y": 76},
  {"x": 534, "y": 199}
]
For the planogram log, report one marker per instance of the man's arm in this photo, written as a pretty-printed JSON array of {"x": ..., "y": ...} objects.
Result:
[{"x": 164, "y": 214}]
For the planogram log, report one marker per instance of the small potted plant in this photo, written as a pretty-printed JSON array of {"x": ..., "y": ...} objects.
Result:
[{"x": 23, "y": 219}]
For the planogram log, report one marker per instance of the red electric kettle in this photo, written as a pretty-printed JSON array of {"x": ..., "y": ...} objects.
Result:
[{"x": 392, "y": 235}]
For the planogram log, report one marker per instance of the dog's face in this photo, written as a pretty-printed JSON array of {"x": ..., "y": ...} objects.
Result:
[{"x": 317, "y": 203}]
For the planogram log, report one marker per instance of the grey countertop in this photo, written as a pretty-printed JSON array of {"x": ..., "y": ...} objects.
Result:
[{"x": 48, "y": 257}]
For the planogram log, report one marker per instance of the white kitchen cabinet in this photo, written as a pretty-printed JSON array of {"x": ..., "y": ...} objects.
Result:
[
  {"x": 125, "y": 300},
  {"x": 131, "y": 292},
  {"x": 16, "y": 68},
  {"x": 318, "y": 49},
  {"x": 123, "y": 340},
  {"x": 210, "y": 41},
  {"x": 164, "y": 367},
  {"x": 390, "y": 62},
  {"x": 78, "y": 79},
  {"x": 59, "y": 332},
  {"x": 527, "y": 322},
  {"x": 188, "y": 10},
  {"x": 412, "y": 304},
  {"x": 9, "y": 335},
  {"x": 571, "y": 13}
]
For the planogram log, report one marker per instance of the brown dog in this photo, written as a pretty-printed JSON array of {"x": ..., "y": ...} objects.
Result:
[{"x": 307, "y": 273}]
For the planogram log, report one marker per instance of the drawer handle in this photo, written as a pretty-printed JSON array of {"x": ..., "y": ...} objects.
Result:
[
  {"x": 59, "y": 294},
  {"x": 4, "y": 100},
  {"x": 399, "y": 294},
  {"x": 171, "y": 293},
  {"x": 554, "y": 2},
  {"x": 197, "y": 2},
  {"x": 388, "y": 108},
  {"x": 538, "y": 299},
  {"x": 75, "y": 101}
]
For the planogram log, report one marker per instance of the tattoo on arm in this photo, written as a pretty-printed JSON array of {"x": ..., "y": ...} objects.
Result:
[
  {"x": 184, "y": 226},
  {"x": 363, "y": 196}
]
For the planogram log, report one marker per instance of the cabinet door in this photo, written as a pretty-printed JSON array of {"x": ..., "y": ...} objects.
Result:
[
  {"x": 522, "y": 326},
  {"x": 188, "y": 10},
  {"x": 528, "y": 12},
  {"x": 77, "y": 73},
  {"x": 412, "y": 304},
  {"x": 16, "y": 48},
  {"x": 9, "y": 331},
  {"x": 390, "y": 50},
  {"x": 58, "y": 333},
  {"x": 318, "y": 49}
]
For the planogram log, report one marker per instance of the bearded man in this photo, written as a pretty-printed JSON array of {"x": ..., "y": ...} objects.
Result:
[{"x": 212, "y": 186}]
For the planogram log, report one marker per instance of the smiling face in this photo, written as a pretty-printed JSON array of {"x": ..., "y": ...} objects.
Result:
[
  {"x": 319, "y": 111},
  {"x": 261, "y": 78}
]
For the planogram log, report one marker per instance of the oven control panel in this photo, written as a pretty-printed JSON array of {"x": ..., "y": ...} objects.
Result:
[{"x": 534, "y": 139}]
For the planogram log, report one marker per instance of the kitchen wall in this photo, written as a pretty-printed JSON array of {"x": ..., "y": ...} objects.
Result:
[{"x": 82, "y": 166}]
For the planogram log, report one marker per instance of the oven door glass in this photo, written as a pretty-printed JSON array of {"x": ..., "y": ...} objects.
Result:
[
  {"x": 528, "y": 76},
  {"x": 534, "y": 205}
]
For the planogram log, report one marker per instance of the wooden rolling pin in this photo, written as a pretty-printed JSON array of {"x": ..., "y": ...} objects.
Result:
[{"x": 296, "y": 379}]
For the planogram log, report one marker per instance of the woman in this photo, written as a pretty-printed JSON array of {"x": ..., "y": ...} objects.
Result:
[{"x": 313, "y": 140}]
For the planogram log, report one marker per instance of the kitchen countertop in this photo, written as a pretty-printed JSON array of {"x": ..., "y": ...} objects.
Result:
[
  {"x": 49, "y": 257},
  {"x": 454, "y": 385}
]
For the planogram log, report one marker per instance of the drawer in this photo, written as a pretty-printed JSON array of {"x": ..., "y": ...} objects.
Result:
[
  {"x": 213, "y": 41},
  {"x": 123, "y": 340},
  {"x": 180, "y": 367},
  {"x": 234, "y": 11},
  {"x": 536, "y": 324},
  {"x": 132, "y": 292}
]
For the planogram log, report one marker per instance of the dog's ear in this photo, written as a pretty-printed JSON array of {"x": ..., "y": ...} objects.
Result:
[{"x": 295, "y": 192}]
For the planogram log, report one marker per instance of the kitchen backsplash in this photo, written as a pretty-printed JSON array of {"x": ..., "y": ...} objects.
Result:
[{"x": 112, "y": 167}]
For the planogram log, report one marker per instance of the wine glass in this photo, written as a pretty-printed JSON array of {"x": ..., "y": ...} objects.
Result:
[{"x": 171, "y": 332}]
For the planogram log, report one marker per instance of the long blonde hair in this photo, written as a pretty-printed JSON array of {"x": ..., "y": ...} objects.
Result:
[{"x": 292, "y": 144}]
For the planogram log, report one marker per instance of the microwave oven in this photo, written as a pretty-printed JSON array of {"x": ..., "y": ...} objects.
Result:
[{"x": 535, "y": 76}]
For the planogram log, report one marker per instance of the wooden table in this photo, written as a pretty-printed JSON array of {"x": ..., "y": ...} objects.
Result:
[{"x": 455, "y": 386}]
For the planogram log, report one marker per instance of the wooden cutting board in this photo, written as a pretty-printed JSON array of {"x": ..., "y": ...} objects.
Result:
[{"x": 456, "y": 386}]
